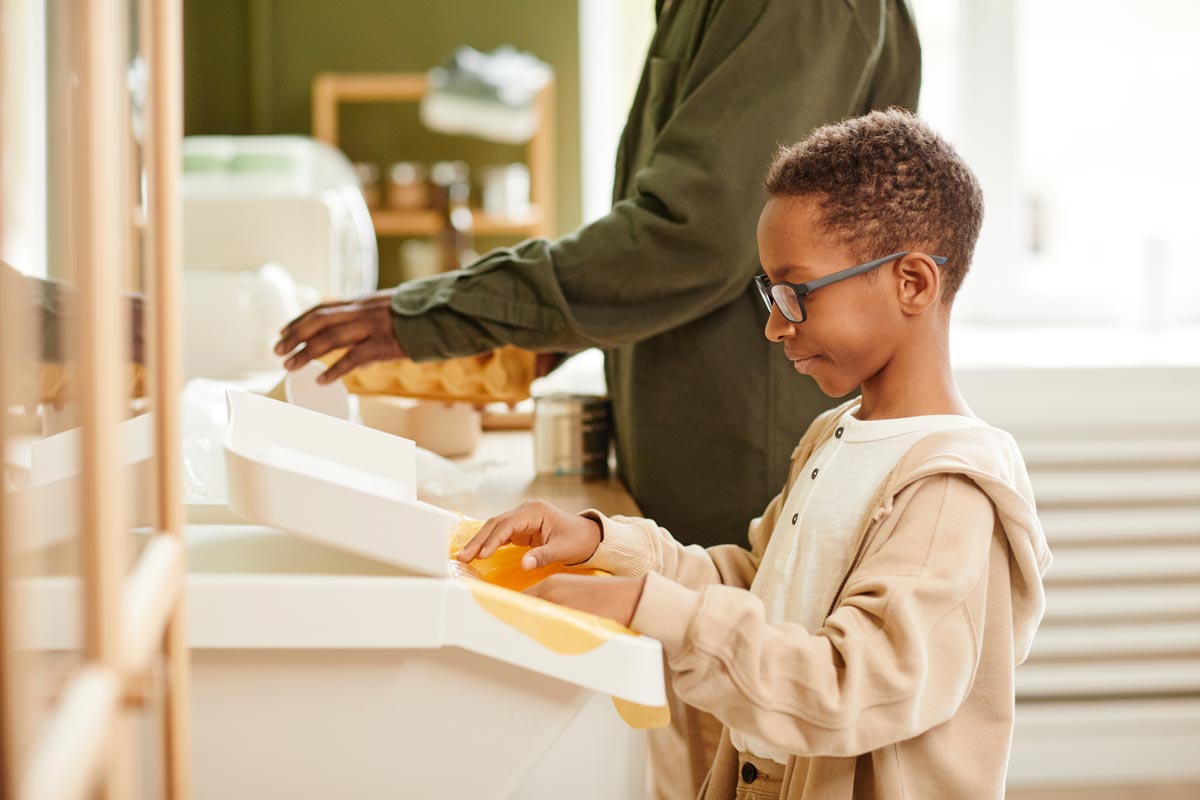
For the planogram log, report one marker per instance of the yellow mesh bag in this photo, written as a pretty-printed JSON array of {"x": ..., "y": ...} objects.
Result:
[{"x": 496, "y": 584}]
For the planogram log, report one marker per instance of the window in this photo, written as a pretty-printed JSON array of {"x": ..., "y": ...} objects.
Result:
[{"x": 1080, "y": 120}]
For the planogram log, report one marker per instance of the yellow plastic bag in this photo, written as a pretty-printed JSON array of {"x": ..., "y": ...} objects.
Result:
[{"x": 496, "y": 582}]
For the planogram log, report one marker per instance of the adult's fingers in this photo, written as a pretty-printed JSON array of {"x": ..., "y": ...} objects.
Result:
[
  {"x": 312, "y": 323},
  {"x": 300, "y": 320},
  {"x": 329, "y": 339},
  {"x": 354, "y": 358}
]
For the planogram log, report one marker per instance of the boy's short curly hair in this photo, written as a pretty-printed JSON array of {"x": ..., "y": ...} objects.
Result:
[{"x": 887, "y": 182}]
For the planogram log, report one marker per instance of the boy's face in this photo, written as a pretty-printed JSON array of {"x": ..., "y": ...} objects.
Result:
[{"x": 853, "y": 325}]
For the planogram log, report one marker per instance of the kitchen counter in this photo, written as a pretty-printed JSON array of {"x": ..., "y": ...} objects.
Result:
[{"x": 509, "y": 479}]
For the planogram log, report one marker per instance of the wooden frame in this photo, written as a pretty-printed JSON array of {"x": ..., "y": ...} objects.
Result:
[
  {"x": 87, "y": 743},
  {"x": 331, "y": 90}
]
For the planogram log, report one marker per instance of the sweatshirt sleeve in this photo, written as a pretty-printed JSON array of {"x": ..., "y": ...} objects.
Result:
[
  {"x": 895, "y": 658},
  {"x": 634, "y": 546},
  {"x": 681, "y": 244}
]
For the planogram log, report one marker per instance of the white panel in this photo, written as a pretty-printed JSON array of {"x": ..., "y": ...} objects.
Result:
[
  {"x": 1073, "y": 526},
  {"x": 1099, "y": 743}
]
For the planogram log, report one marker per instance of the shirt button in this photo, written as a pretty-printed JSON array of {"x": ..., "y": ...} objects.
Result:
[
  {"x": 749, "y": 773},
  {"x": 839, "y": 432},
  {"x": 814, "y": 473},
  {"x": 795, "y": 517}
]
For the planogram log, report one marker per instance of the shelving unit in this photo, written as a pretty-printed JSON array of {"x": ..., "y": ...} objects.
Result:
[
  {"x": 331, "y": 90},
  {"x": 85, "y": 742}
]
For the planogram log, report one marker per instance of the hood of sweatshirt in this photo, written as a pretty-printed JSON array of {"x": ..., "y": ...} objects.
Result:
[{"x": 990, "y": 458}]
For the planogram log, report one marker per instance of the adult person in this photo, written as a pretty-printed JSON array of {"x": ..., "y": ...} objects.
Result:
[{"x": 663, "y": 282}]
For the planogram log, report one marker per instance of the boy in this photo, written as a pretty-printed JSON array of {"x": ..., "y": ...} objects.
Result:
[{"x": 864, "y": 646}]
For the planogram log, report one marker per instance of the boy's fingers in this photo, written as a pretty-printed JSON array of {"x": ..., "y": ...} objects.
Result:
[
  {"x": 500, "y": 536},
  {"x": 542, "y": 556},
  {"x": 472, "y": 547},
  {"x": 519, "y": 526},
  {"x": 526, "y": 538},
  {"x": 544, "y": 588}
]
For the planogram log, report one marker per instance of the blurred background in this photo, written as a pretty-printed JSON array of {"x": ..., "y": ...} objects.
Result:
[{"x": 322, "y": 158}]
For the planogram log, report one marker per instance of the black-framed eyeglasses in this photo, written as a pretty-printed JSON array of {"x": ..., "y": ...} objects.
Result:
[{"x": 790, "y": 296}]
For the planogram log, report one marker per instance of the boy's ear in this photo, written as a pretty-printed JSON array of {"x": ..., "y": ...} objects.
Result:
[{"x": 918, "y": 283}]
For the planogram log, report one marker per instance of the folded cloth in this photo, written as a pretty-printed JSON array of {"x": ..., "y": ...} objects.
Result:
[{"x": 489, "y": 95}]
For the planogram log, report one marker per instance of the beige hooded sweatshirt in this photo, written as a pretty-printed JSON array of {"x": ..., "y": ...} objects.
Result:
[{"x": 907, "y": 690}]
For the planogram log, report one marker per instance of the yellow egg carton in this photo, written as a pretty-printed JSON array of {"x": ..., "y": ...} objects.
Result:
[{"x": 500, "y": 376}]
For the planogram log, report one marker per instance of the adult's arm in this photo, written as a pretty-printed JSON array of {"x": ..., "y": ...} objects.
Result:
[{"x": 681, "y": 245}]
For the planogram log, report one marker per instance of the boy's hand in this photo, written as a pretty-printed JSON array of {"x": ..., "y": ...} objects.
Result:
[
  {"x": 554, "y": 535},
  {"x": 616, "y": 598}
]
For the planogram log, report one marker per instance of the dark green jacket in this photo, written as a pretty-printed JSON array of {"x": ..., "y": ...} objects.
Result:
[{"x": 706, "y": 410}]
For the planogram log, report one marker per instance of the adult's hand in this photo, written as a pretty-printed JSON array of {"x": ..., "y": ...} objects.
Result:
[
  {"x": 545, "y": 363},
  {"x": 363, "y": 326}
]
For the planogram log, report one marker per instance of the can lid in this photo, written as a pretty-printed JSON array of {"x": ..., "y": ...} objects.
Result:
[{"x": 568, "y": 403}]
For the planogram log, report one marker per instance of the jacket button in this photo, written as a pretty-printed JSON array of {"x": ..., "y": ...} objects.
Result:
[
  {"x": 839, "y": 432},
  {"x": 795, "y": 517},
  {"x": 814, "y": 473},
  {"x": 749, "y": 772}
]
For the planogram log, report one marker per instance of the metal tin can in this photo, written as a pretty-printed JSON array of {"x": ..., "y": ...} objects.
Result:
[{"x": 571, "y": 435}]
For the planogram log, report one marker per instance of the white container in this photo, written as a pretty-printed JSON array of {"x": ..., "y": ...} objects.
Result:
[
  {"x": 340, "y": 663},
  {"x": 290, "y": 200},
  {"x": 48, "y": 487},
  {"x": 232, "y": 318},
  {"x": 319, "y": 674},
  {"x": 448, "y": 429},
  {"x": 506, "y": 190},
  {"x": 333, "y": 481},
  {"x": 571, "y": 436}
]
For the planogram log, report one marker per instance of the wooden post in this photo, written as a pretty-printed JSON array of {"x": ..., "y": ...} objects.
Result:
[
  {"x": 11, "y": 357},
  {"x": 325, "y": 110},
  {"x": 541, "y": 161},
  {"x": 165, "y": 250},
  {"x": 101, "y": 351}
]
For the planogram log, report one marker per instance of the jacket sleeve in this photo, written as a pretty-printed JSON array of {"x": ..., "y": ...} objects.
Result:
[
  {"x": 896, "y": 658},
  {"x": 682, "y": 243},
  {"x": 634, "y": 546}
]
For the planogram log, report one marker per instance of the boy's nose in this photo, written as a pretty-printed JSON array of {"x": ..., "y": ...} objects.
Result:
[{"x": 778, "y": 326}]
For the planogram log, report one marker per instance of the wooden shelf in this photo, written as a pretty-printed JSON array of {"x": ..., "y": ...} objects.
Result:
[
  {"x": 402, "y": 222},
  {"x": 331, "y": 90}
]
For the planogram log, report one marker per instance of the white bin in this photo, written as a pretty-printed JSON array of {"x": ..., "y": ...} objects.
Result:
[
  {"x": 317, "y": 674},
  {"x": 342, "y": 660}
]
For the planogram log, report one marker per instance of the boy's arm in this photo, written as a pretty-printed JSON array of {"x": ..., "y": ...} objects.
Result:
[
  {"x": 634, "y": 546},
  {"x": 896, "y": 658}
]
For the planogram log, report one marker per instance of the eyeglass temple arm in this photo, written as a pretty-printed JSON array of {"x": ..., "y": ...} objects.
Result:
[{"x": 861, "y": 268}]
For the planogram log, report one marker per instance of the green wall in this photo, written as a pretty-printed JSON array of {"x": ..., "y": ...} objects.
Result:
[{"x": 249, "y": 66}]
